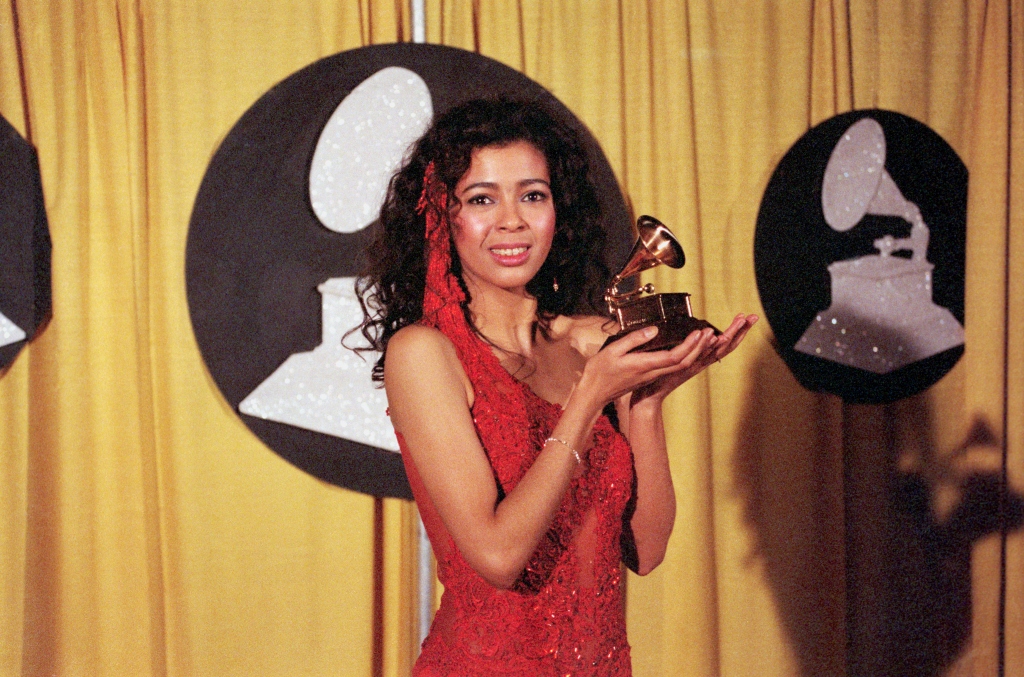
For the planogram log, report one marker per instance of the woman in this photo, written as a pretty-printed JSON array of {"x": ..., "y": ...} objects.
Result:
[{"x": 489, "y": 247}]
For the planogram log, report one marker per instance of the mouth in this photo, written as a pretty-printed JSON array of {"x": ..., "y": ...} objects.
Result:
[
  {"x": 512, "y": 255},
  {"x": 509, "y": 251}
]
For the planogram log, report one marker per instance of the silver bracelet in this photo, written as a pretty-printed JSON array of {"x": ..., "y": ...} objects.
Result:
[{"x": 576, "y": 454}]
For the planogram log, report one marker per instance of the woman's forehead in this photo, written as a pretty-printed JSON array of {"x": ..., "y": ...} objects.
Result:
[{"x": 504, "y": 161}]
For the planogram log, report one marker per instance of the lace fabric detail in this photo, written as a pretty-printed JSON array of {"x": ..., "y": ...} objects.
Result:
[{"x": 565, "y": 614}]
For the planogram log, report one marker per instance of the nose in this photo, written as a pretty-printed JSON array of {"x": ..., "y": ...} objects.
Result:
[{"x": 512, "y": 220}]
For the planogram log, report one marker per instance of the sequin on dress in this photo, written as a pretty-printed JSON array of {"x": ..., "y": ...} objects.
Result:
[{"x": 565, "y": 614}]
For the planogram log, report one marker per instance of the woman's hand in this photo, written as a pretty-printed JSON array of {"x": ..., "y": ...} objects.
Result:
[
  {"x": 697, "y": 357},
  {"x": 615, "y": 371},
  {"x": 640, "y": 419}
]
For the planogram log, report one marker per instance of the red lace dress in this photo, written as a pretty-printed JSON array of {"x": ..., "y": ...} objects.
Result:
[{"x": 565, "y": 614}]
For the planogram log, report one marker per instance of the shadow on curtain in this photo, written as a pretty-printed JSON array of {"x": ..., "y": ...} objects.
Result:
[{"x": 900, "y": 580}]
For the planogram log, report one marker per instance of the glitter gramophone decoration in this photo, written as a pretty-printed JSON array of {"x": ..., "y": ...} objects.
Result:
[
  {"x": 670, "y": 312},
  {"x": 882, "y": 316}
]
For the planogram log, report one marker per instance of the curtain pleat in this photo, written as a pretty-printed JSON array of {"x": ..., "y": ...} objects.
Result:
[
  {"x": 148, "y": 532},
  {"x": 14, "y": 405}
]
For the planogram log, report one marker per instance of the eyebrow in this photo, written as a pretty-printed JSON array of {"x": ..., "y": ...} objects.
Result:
[{"x": 491, "y": 184}]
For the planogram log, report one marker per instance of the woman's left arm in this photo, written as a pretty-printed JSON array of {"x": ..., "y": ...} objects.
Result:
[
  {"x": 640, "y": 417},
  {"x": 654, "y": 500}
]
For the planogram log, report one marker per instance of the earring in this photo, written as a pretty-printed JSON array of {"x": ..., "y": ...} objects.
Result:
[{"x": 555, "y": 285}]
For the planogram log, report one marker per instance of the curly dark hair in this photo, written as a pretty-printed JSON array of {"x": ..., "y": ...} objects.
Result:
[{"x": 391, "y": 289}]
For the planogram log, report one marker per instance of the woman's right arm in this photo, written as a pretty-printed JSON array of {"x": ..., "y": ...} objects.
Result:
[{"x": 429, "y": 401}]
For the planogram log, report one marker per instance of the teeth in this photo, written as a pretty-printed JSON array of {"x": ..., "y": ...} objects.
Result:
[{"x": 515, "y": 251}]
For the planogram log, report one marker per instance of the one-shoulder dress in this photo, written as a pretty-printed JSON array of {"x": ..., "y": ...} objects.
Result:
[{"x": 565, "y": 614}]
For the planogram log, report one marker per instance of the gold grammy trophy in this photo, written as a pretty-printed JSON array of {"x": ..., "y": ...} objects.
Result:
[{"x": 670, "y": 312}]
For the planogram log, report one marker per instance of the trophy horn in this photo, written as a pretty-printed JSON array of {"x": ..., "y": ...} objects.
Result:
[
  {"x": 671, "y": 312},
  {"x": 655, "y": 246}
]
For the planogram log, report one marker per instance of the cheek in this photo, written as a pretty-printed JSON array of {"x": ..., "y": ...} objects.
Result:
[
  {"x": 461, "y": 247},
  {"x": 466, "y": 239}
]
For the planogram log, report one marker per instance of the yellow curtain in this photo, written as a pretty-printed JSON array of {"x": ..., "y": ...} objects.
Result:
[{"x": 148, "y": 532}]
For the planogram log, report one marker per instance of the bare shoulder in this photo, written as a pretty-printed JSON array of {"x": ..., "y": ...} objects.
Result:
[
  {"x": 422, "y": 359},
  {"x": 587, "y": 333},
  {"x": 419, "y": 337}
]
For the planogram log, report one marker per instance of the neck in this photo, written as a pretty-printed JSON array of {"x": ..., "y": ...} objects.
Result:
[{"x": 505, "y": 316}]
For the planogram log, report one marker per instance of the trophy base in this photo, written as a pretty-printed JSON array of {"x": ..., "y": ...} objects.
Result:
[{"x": 671, "y": 332}]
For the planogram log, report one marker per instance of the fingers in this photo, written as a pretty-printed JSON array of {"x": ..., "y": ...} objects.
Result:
[
  {"x": 684, "y": 364},
  {"x": 677, "y": 365},
  {"x": 683, "y": 356},
  {"x": 730, "y": 339},
  {"x": 740, "y": 323},
  {"x": 653, "y": 359},
  {"x": 702, "y": 340},
  {"x": 645, "y": 367},
  {"x": 633, "y": 340},
  {"x": 660, "y": 372}
]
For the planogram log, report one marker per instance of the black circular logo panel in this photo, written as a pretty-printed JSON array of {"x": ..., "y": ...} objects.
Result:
[
  {"x": 859, "y": 254},
  {"x": 25, "y": 301},
  {"x": 285, "y": 209}
]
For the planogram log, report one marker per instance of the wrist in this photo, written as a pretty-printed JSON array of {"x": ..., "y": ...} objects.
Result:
[
  {"x": 583, "y": 400},
  {"x": 649, "y": 406},
  {"x": 572, "y": 449}
]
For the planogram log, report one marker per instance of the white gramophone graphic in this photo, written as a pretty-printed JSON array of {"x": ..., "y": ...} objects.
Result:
[
  {"x": 882, "y": 316},
  {"x": 329, "y": 389},
  {"x": 9, "y": 332}
]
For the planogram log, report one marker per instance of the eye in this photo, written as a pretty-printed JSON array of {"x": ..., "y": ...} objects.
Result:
[
  {"x": 479, "y": 199},
  {"x": 535, "y": 196}
]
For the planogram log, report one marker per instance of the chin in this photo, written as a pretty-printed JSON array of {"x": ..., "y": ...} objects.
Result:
[{"x": 513, "y": 280}]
